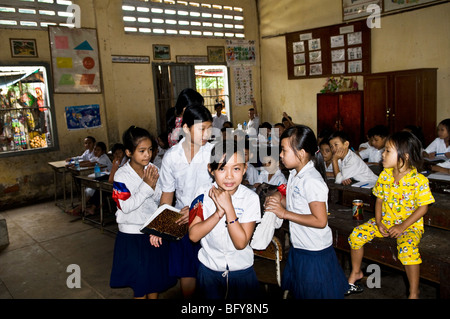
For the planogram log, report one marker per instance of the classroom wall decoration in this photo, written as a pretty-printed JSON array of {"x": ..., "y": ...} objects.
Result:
[
  {"x": 335, "y": 50},
  {"x": 240, "y": 52},
  {"x": 75, "y": 61},
  {"x": 83, "y": 117},
  {"x": 243, "y": 85}
]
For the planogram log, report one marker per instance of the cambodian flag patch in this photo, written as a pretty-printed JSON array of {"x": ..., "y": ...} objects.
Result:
[
  {"x": 120, "y": 191},
  {"x": 196, "y": 208}
]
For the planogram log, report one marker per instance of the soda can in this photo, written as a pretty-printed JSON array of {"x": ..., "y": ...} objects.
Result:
[{"x": 358, "y": 209}]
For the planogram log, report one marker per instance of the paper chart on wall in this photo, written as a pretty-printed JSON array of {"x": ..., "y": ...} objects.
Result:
[
  {"x": 240, "y": 52},
  {"x": 76, "y": 67},
  {"x": 243, "y": 82}
]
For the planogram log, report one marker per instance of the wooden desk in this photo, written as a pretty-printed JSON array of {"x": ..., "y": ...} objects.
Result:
[
  {"x": 101, "y": 186},
  {"x": 83, "y": 171},
  {"x": 59, "y": 168}
]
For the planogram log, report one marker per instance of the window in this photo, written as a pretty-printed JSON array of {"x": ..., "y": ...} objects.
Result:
[
  {"x": 26, "y": 110},
  {"x": 184, "y": 18},
  {"x": 35, "y": 14}
]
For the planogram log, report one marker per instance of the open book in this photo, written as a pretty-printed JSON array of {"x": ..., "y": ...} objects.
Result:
[
  {"x": 162, "y": 223},
  {"x": 364, "y": 184}
]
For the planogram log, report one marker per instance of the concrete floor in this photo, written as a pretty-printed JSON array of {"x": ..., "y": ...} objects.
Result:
[{"x": 44, "y": 241}]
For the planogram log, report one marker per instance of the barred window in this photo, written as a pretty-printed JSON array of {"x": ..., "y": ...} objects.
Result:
[
  {"x": 183, "y": 18},
  {"x": 34, "y": 14}
]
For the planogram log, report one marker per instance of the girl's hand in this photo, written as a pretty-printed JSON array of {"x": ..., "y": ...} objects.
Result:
[
  {"x": 273, "y": 204},
  {"x": 184, "y": 219},
  {"x": 151, "y": 176},
  {"x": 383, "y": 230},
  {"x": 155, "y": 240},
  {"x": 222, "y": 200},
  {"x": 395, "y": 231}
]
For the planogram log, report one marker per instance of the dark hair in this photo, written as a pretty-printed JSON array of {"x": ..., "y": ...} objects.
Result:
[
  {"x": 341, "y": 135},
  {"x": 378, "y": 130},
  {"x": 222, "y": 152},
  {"x": 416, "y": 131},
  {"x": 266, "y": 125},
  {"x": 218, "y": 105},
  {"x": 227, "y": 123},
  {"x": 91, "y": 138},
  {"x": 165, "y": 139},
  {"x": 302, "y": 137},
  {"x": 407, "y": 143},
  {"x": 278, "y": 124},
  {"x": 133, "y": 135},
  {"x": 196, "y": 112},
  {"x": 185, "y": 98},
  {"x": 101, "y": 145},
  {"x": 446, "y": 123},
  {"x": 117, "y": 146},
  {"x": 284, "y": 119}
]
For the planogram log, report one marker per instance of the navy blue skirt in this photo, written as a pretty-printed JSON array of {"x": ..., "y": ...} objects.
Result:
[
  {"x": 314, "y": 275},
  {"x": 139, "y": 265},
  {"x": 183, "y": 257},
  {"x": 239, "y": 284}
]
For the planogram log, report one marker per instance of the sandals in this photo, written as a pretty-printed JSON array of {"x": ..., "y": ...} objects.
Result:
[{"x": 354, "y": 289}]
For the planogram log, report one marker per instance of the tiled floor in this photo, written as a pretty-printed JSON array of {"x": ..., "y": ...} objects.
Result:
[{"x": 44, "y": 241}]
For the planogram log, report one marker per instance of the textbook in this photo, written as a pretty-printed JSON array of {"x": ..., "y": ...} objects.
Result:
[
  {"x": 162, "y": 223},
  {"x": 364, "y": 184}
]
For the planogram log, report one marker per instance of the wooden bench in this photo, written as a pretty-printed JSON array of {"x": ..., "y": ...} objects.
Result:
[{"x": 434, "y": 246}]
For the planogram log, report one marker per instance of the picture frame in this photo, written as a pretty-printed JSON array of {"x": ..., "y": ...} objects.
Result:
[
  {"x": 192, "y": 59},
  {"x": 216, "y": 54},
  {"x": 161, "y": 52},
  {"x": 23, "y": 48}
]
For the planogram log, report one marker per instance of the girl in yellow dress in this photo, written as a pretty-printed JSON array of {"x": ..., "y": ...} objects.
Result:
[{"x": 403, "y": 196}]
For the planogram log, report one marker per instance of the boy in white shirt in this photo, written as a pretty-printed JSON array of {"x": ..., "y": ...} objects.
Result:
[
  {"x": 377, "y": 136},
  {"x": 346, "y": 164}
]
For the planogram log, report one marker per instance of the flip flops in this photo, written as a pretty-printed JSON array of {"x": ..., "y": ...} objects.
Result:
[{"x": 354, "y": 289}]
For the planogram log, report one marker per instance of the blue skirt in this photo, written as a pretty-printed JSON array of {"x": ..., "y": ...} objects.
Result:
[
  {"x": 238, "y": 284},
  {"x": 183, "y": 257},
  {"x": 139, "y": 265},
  {"x": 314, "y": 274}
]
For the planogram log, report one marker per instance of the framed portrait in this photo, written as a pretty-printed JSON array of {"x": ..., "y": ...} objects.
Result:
[
  {"x": 161, "y": 52},
  {"x": 23, "y": 48},
  {"x": 216, "y": 54}
]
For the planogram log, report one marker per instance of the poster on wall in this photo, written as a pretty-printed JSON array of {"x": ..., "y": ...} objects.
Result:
[
  {"x": 83, "y": 117},
  {"x": 75, "y": 62},
  {"x": 243, "y": 83},
  {"x": 240, "y": 52}
]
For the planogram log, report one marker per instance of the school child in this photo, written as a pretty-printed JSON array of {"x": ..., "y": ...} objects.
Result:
[
  {"x": 137, "y": 262},
  {"x": 312, "y": 269},
  {"x": 163, "y": 146},
  {"x": 264, "y": 133},
  {"x": 403, "y": 196},
  {"x": 327, "y": 155},
  {"x": 251, "y": 176},
  {"x": 270, "y": 170},
  {"x": 346, "y": 164},
  {"x": 377, "y": 136},
  {"x": 275, "y": 133},
  {"x": 441, "y": 145},
  {"x": 224, "y": 226},
  {"x": 119, "y": 159},
  {"x": 219, "y": 118},
  {"x": 89, "y": 143},
  {"x": 253, "y": 120},
  {"x": 184, "y": 168}
]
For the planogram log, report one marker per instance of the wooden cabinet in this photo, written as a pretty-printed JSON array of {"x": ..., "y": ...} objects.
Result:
[
  {"x": 401, "y": 98},
  {"x": 342, "y": 111}
]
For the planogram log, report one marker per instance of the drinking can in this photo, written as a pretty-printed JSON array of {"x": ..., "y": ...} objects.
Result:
[{"x": 358, "y": 209}]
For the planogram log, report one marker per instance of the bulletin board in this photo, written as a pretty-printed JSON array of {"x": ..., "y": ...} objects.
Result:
[
  {"x": 75, "y": 60},
  {"x": 343, "y": 49}
]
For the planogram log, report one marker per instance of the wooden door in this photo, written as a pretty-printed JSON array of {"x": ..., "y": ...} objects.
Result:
[
  {"x": 351, "y": 117},
  {"x": 406, "y": 101},
  {"x": 327, "y": 112},
  {"x": 377, "y": 104}
]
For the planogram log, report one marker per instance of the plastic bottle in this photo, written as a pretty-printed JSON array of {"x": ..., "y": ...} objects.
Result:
[
  {"x": 97, "y": 171},
  {"x": 77, "y": 164},
  {"x": 245, "y": 126}
]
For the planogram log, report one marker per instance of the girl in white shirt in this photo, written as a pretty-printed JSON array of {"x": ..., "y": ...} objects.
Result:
[
  {"x": 224, "y": 226},
  {"x": 184, "y": 168},
  {"x": 139, "y": 262},
  {"x": 312, "y": 269},
  {"x": 441, "y": 145}
]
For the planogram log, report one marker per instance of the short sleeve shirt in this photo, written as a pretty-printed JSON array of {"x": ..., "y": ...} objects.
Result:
[{"x": 401, "y": 199}]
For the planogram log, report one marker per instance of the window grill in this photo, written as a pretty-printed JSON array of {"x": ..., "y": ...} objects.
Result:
[{"x": 182, "y": 18}]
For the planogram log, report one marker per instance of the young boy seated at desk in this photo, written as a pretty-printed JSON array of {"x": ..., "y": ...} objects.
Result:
[
  {"x": 377, "y": 137},
  {"x": 270, "y": 170},
  {"x": 347, "y": 166},
  {"x": 325, "y": 150},
  {"x": 89, "y": 144}
]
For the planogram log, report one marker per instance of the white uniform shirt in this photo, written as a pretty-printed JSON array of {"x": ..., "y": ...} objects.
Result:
[
  {"x": 352, "y": 166},
  {"x": 218, "y": 251},
  {"x": 253, "y": 126},
  {"x": 219, "y": 120},
  {"x": 303, "y": 188},
  {"x": 86, "y": 156},
  {"x": 143, "y": 201},
  {"x": 252, "y": 174},
  {"x": 372, "y": 154},
  {"x": 103, "y": 160},
  {"x": 183, "y": 178},
  {"x": 277, "y": 179},
  {"x": 437, "y": 146}
]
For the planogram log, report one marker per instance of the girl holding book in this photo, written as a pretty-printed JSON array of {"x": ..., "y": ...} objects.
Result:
[
  {"x": 137, "y": 263},
  {"x": 223, "y": 222}
]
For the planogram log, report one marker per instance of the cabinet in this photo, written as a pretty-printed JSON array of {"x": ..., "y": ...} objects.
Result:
[
  {"x": 400, "y": 98},
  {"x": 342, "y": 111}
]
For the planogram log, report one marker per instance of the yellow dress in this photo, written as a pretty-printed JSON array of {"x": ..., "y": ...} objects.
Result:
[{"x": 400, "y": 200}]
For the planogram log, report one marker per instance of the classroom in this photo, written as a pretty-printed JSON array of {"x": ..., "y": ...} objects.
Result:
[{"x": 83, "y": 68}]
